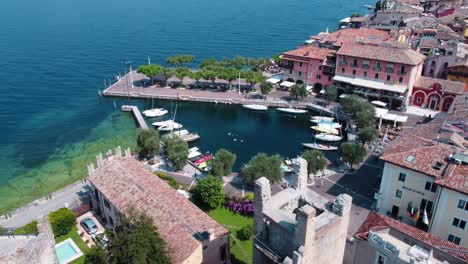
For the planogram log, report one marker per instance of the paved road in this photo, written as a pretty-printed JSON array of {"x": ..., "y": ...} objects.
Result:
[{"x": 43, "y": 206}]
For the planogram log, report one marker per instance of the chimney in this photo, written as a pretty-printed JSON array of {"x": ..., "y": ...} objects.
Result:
[
  {"x": 302, "y": 174},
  {"x": 262, "y": 195},
  {"x": 305, "y": 226},
  {"x": 211, "y": 234}
]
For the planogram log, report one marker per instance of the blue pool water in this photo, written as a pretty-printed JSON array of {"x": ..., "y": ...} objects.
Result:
[
  {"x": 65, "y": 252},
  {"x": 56, "y": 54}
]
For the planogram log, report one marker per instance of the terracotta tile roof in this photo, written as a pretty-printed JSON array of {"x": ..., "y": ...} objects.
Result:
[
  {"x": 429, "y": 158},
  {"x": 376, "y": 220},
  {"x": 348, "y": 35},
  {"x": 127, "y": 183},
  {"x": 455, "y": 178},
  {"x": 447, "y": 85},
  {"x": 383, "y": 53},
  {"x": 309, "y": 52}
]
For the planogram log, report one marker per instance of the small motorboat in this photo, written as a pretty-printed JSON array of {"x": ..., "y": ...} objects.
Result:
[
  {"x": 170, "y": 126},
  {"x": 319, "y": 146},
  {"x": 181, "y": 132},
  {"x": 286, "y": 168},
  {"x": 328, "y": 137},
  {"x": 325, "y": 129},
  {"x": 327, "y": 124},
  {"x": 291, "y": 110},
  {"x": 255, "y": 107},
  {"x": 203, "y": 159},
  {"x": 320, "y": 118},
  {"x": 155, "y": 112},
  {"x": 152, "y": 110},
  {"x": 161, "y": 123},
  {"x": 193, "y": 154}
]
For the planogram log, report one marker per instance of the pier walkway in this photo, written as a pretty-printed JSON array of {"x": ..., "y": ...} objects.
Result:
[
  {"x": 136, "y": 113},
  {"x": 124, "y": 88}
]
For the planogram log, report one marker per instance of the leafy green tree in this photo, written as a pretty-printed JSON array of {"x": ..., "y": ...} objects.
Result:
[
  {"x": 367, "y": 134},
  {"x": 180, "y": 60},
  {"x": 209, "y": 192},
  {"x": 317, "y": 87},
  {"x": 366, "y": 117},
  {"x": 352, "y": 153},
  {"x": 298, "y": 91},
  {"x": 315, "y": 161},
  {"x": 265, "y": 88},
  {"x": 151, "y": 70},
  {"x": 331, "y": 93},
  {"x": 221, "y": 164},
  {"x": 262, "y": 165},
  {"x": 176, "y": 150},
  {"x": 148, "y": 142},
  {"x": 62, "y": 221},
  {"x": 208, "y": 62},
  {"x": 137, "y": 241},
  {"x": 96, "y": 255},
  {"x": 245, "y": 233},
  {"x": 276, "y": 58},
  {"x": 238, "y": 62}
]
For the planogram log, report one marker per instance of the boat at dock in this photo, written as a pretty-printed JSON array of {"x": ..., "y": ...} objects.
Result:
[
  {"x": 170, "y": 126},
  {"x": 160, "y": 123},
  {"x": 291, "y": 110},
  {"x": 181, "y": 132},
  {"x": 327, "y": 124},
  {"x": 319, "y": 146},
  {"x": 155, "y": 112},
  {"x": 193, "y": 153},
  {"x": 203, "y": 159},
  {"x": 317, "y": 119},
  {"x": 328, "y": 137},
  {"x": 255, "y": 107},
  {"x": 190, "y": 137},
  {"x": 324, "y": 129}
]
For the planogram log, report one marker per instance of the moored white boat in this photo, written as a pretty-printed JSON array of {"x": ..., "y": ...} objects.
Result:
[
  {"x": 169, "y": 126},
  {"x": 319, "y": 146},
  {"x": 194, "y": 153},
  {"x": 155, "y": 112},
  {"x": 291, "y": 110},
  {"x": 325, "y": 129},
  {"x": 328, "y": 137},
  {"x": 320, "y": 118},
  {"x": 256, "y": 107},
  {"x": 327, "y": 124},
  {"x": 181, "y": 132}
]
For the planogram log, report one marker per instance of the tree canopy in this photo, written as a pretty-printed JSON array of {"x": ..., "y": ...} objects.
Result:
[
  {"x": 352, "y": 153},
  {"x": 367, "y": 134},
  {"x": 298, "y": 91},
  {"x": 361, "y": 110},
  {"x": 209, "y": 192},
  {"x": 265, "y": 87},
  {"x": 331, "y": 93},
  {"x": 62, "y": 221},
  {"x": 176, "y": 150},
  {"x": 137, "y": 241},
  {"x": 315, "y": 161},
  {"x": 262, "y": 165},
  {"x": 179, "y": 60},
  {"x": 96, "y": 255},
  {"x": 148, "y": 142},
  {"x": 221, "y": 164},
  {"x": 151, "y": 70}
]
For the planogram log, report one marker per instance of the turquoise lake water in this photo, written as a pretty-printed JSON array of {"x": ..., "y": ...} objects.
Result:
[{"x": 55, "y": 55}]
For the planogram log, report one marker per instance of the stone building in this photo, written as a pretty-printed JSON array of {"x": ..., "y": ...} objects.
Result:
[
  {"x": 29, "y": 249},
  {"x": 121, "y": 182},
  {"x": 297, "y": 225}
]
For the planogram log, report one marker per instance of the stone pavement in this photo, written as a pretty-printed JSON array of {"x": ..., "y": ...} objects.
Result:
[{"x": 75, "y": 192}]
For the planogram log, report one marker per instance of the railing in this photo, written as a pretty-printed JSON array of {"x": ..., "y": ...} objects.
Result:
[
  {"x": 343, "y": 63},
  {"x": 402, "y": 72},
  {"x": 266, "y": 250},
  {"x": 377, "y": 69},
  {"x": 354, "y": 65},
  {"x": 15, "y": 232},
  {"x": 389, "y": 70},
  {"x": 365, "y": 66}
]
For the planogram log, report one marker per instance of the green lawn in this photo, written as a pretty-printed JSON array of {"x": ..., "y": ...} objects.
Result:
[
  {"x": 78, "y": 241},
  {"x": 241, "y": 251}
]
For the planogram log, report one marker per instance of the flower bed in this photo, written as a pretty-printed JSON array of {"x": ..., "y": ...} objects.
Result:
[{"x": 240, "y": 205}]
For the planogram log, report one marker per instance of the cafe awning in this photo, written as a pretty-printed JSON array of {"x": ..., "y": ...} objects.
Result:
[
  {"x": 378, "y": 85},
  {"x": 287, "y": 84},
  {"x": 379, "y": 103},
  {"x": 273, "y": 80}
]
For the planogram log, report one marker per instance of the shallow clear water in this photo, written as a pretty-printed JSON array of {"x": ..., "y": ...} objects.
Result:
[{"x": 55, "y": 55}]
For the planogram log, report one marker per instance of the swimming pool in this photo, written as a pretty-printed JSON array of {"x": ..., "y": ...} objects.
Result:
[{"x": 67, "y": 251}]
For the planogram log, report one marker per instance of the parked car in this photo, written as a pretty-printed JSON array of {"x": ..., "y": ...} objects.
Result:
[{"x": 89, "y": 225}]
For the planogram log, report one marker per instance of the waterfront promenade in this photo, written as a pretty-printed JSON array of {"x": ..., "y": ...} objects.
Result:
[{"x": 124, "y": 88}]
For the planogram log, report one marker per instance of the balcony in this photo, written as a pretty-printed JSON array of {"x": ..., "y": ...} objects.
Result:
[
  {"x": 389, "y": 70},
  {"x": 343, "y": 63},
  {"x": 354, "y": 65},
  {"x": 365, "y": 66},
  {"x": 402, "y": 72},
  {"x": 377, "y": 69}
]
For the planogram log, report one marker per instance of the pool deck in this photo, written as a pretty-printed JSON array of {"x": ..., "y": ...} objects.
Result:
[
  {"x": 124, "y": 88},
  {"x": 75, "y": 247}
]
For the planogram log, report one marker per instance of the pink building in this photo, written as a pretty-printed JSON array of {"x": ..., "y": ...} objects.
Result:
[
  {"x": 436, "y": 94},
  {"x": 309, "y": 65},
  {"x": 384, "y": 72}
]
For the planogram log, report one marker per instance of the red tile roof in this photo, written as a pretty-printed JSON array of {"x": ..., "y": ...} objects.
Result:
[
  {"x": 455, "y": 178},
  {"x": 127, "y": 183},
  {"x": 349, "y": 35},
  {"x": 308, "y": 52},
  {"x": 448, "y": 86},
  {"x": 426, "y": 154},
  {"x": 405, "y": 56},
  {"x": 376, "y": 220}
]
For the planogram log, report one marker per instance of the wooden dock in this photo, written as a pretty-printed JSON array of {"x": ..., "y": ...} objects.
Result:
[{"x": 136, "y": 114}]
